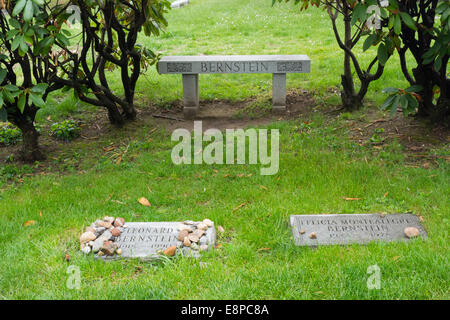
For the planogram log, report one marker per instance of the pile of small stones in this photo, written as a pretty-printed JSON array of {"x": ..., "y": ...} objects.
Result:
[
  {"x": 101, "y": 235},
  {"x": 193, "y": 234}
]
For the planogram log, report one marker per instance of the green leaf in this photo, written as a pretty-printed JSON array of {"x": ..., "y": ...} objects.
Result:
[
  {"x": 23, "y": 46},
  {"x": 8, "y": 96},
  {"x": 438, "y": 63},
  {"x": 359, "y": 13},
  {"x": 39, "y": 88},
  {"x": 19, "y": 7},
  {"x": 370, "y": 40},
  {"x": 29, "y": 11},
  {"x": 388, "y": 102},
  {"x": 408, "y": 21},
  {"x": 397, "y": 24},
  {"x": 12, "y": 33},
  {"x": 21, "y": 102},
  {"x": 37, "y": 100},
  {"x": 412, "y": 103},
  {"x": 390, "y": 90},
  {"x": 3, "y": 113},
  {"x": 16, "y": 42},
  {"x": 383, "y": 55},
  {"x": 3, "y": 74},
  {"x": 14, "y": 23},
  {"x": 395, "y": 105},
  {"x": 415, "y": 88}
]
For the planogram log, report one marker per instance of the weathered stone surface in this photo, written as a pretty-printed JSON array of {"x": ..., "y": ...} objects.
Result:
[
  {"x": 86, "y": 250},
  {"x": 411, "y": 232},
  {"x": 235, "y": 64},
  {"x": 109, "y": 248},
  {"x": 108, "y": 219},
  {"x": 183, "y": 234},
  {"x": 202, "y": 226},
  {"x": 199, "y": 232},
  {"x": 193, "y": 238},
  {"x": 87, "y": 236},
  {"x": 98, "y": 243},
  {"x": 332, "y": 229},
  {"x": 119, "y": 222},
  {"x": 90, "y": 229},
  {"x": 104, "y": 224},
  {"x": 208, "y": 222},
  {"x": 115, "y": 232},
  {"x": 186, "y": 242},
  {"x": 170, "y": 251},
  {"x": 144, "y": 239}
]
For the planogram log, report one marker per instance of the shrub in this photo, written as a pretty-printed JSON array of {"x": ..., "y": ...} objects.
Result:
[
  {"x": 9, "y": 134},
  {"x": 66, "y": 130}
]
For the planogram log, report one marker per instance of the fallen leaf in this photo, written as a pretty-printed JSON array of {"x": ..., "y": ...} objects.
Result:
[
  {"x": 144, "y": 201},
  {"x": 395, "y": 258},
  {"x": 119, "y": 160},
  {"x": 263, "y": 187},
  {"x": 29, "y": 223},
  {"x": 40, "y": 214},
  {"x": 240, "y": 206},
  {"x": 150, "y": 190},
  {"x": 386, "y": 194},
  {"x": 67, "y": 257},
  {"x": 263, "y": 249},
  {"x": 107, "y": 149},
  {"x": 351, "y": 199}
]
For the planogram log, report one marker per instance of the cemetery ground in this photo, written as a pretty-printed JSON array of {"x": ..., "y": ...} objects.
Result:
[{"x": 330, "y": 162}]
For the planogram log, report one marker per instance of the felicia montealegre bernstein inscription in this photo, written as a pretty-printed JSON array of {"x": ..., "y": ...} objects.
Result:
[{"x": 328, "y": 229}]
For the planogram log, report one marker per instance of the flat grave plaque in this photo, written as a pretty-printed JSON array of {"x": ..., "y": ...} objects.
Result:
[
  {"x": 341, "y": 229},
  {"x": 144, "y": 239}
]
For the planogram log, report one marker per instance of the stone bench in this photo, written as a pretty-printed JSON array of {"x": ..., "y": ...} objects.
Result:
[{"x": 191, "y": 66}]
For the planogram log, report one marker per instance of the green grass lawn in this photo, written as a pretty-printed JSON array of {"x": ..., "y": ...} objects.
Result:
[{"x": 319, "y": 165}]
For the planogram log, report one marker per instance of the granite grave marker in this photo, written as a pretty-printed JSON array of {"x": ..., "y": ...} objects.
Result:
[
  {"x": 145, "y": 239},
  {"x": 341, "y": 229}
]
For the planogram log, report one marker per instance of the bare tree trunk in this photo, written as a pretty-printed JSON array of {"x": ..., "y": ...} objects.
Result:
[
  {"x": 30, "y": 147},
  {"x": 350, "y": 100}
]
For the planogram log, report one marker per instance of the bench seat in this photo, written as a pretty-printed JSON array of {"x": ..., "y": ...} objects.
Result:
[{"x": 191, "y": 66}]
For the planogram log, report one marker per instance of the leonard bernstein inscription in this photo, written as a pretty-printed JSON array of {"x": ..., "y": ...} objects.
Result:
[
  {"x": 327, "y": 229},
  {"x": 144, "y": 239}
]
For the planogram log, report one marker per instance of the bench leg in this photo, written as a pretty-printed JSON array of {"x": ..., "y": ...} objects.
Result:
[
  {"x": 279, "y": 92},
  {"x": 190, "y": 95}
]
